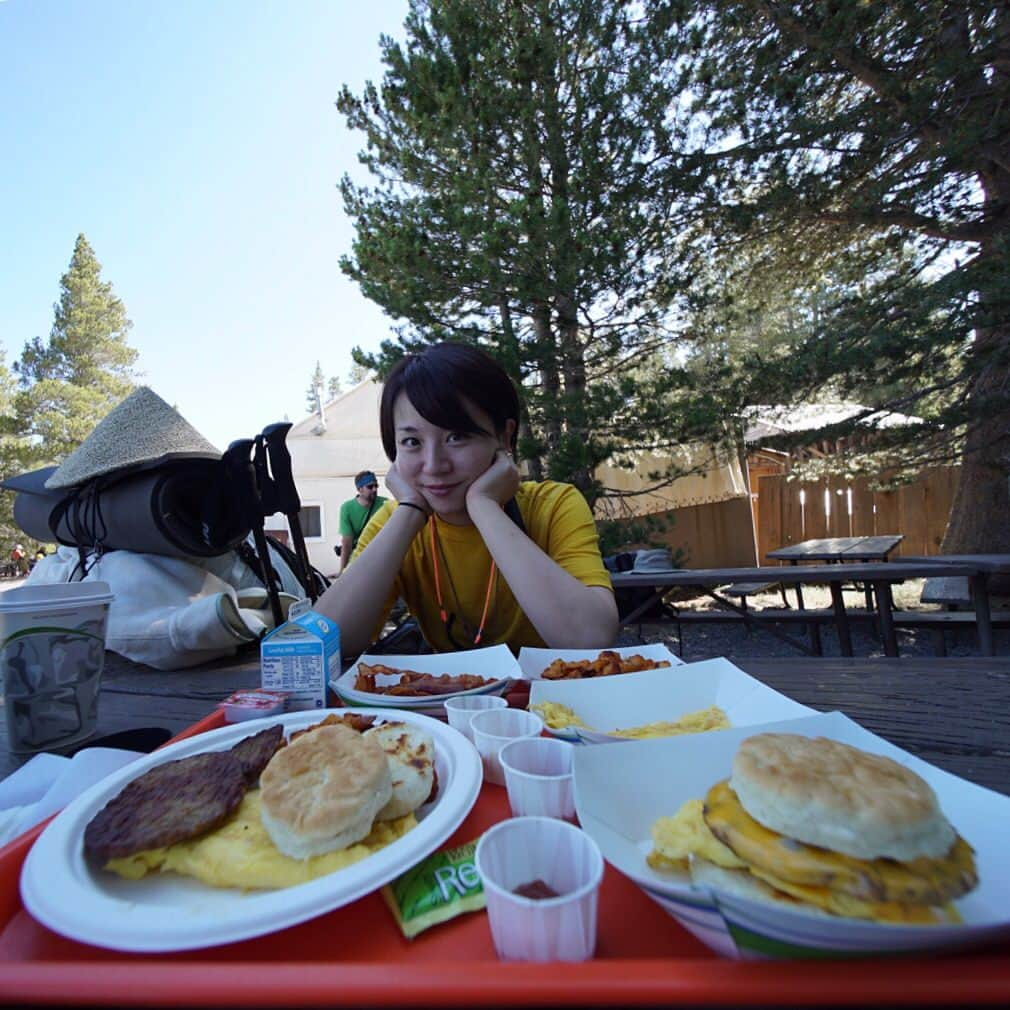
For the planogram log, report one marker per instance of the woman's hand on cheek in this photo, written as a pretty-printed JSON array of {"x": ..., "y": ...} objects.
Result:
[
  {"x": 402, "y": 491},
  {"x": 498, "y": 483}
]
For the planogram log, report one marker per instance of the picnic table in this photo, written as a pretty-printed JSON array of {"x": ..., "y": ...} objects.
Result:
[
  {"x": 880, "y": 575},
  {"x": 838, "y": 549},
  {"x": 951, "y": 713}
]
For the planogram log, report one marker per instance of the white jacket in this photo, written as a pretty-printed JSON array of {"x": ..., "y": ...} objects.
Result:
[{"x": 176, "y": 612}]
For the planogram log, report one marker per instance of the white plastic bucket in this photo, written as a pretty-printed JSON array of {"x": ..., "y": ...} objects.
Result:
[{"x": 52, "y": 650}]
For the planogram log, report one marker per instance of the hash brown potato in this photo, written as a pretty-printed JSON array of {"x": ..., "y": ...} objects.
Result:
[{"x": 606, "y": 664}]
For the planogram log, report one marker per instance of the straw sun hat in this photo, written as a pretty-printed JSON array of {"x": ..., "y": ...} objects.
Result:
[{"x": 141, "y": 432}]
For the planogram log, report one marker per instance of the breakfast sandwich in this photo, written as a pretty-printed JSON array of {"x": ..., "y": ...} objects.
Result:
[{"x": 823, "y": 827}]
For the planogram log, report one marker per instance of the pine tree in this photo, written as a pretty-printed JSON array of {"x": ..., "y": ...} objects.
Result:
[
  {"x": 314, "y": 394},
  {"x": 70, "y": 382},
  {"x": 14, "y": 452},
  {"x": 356, "y": 373},
  {"x": 514, "y": 150},
  {"x": 333, "y": 387},
  {"x": 876, "y": 132}
]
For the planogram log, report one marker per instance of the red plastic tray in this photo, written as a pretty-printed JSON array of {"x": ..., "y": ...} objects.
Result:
[{"x": 356, "y": 956}]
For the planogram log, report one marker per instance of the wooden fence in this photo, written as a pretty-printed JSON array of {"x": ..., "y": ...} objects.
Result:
[{"x": 790, "y": 511}]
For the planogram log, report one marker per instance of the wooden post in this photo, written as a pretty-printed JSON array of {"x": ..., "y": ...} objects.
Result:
[
  {"x": 887, "y": 514},
  {"x": 862, "y": 509},
  {"x": 816, "y": 525}
]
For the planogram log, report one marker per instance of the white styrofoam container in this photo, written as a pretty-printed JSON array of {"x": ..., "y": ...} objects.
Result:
[
  {"x": 664, "y": 695},
  {"x": 618, "y": 802}
]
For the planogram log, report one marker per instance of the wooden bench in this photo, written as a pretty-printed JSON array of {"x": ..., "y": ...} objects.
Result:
[
  {"x": 744, "y": 589},
  {"x": 939, "y": 621},
  {"x": 936, "y": 621}
]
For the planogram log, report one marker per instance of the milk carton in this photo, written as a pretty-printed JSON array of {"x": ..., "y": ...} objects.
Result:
[{"x": 300, "y": 657}]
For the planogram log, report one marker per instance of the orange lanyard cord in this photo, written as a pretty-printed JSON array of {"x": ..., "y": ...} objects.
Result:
[
  {"x": 434, "y": 560},
  {"x": 487, "y": 600},
  {"x": 438, "y": 586}
]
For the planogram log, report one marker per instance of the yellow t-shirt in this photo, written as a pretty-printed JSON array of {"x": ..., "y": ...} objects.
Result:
[{"x": 557, "y": 520}]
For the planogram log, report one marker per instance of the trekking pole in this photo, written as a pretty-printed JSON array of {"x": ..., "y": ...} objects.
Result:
[
  {"x": 288, "y": 502},
  {"x": 239, "y": 467}
]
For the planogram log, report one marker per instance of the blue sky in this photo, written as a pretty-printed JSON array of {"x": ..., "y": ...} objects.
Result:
[{"x": 197, "y": 146}]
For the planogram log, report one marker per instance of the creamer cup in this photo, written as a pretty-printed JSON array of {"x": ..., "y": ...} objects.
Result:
[
  {"x": 525, "y": 850},
  {"x": 538, "y": 777},
  {"x": 495, "y": 728},
  {"x": 52, "y": 650},
  {"x": 461, "y": 710}
]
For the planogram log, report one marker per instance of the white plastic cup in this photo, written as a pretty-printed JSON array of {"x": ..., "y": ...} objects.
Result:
[
  {"x": 496, "y": 727},
  {"x": 526, "y": 849},
  {"x": 52, "y": 650},
  {"x": 538, "y": 777},
  {"x": 461, "y": 710}
]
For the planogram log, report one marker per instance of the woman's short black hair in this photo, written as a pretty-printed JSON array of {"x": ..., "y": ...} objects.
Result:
[{"x": 438, "y": 380}]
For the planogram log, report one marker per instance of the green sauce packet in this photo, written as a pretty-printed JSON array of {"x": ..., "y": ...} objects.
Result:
[{"x": 439, "y": 888}]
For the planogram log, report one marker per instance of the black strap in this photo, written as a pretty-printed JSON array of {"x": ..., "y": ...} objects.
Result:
[{"x": 364, "y": 523}]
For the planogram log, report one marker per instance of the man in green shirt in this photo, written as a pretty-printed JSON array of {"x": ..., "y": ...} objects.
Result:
[{"x": 355, "y": 513}]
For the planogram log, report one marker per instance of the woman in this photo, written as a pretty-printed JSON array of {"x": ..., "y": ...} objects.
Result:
[{"x": 479, "y": 557}]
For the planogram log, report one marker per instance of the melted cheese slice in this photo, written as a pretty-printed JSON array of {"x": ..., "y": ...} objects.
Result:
[
  {"x": 241, "y": 854},
  {"x": 843, "y": 904},
  {"x": 920, "y": 881}
]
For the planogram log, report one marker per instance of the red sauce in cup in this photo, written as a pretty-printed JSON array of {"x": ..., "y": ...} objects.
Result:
[{"x": 537, "y": 890}]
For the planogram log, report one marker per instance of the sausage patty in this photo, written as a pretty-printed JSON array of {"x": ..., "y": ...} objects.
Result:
[{"x": 168, "y": 804}]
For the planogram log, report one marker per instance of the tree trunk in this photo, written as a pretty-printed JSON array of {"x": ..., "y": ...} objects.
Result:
[
  {"x": 549, "y": 376},
  {"x": 534, "y": 463},
  {"x": 979, "y": 521}
]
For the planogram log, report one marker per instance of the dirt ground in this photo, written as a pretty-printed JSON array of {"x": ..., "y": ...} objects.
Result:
[{"x": 705, "y": 641}]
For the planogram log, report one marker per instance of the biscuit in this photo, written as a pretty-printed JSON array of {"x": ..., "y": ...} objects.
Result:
[
  {"x": 411, "y": 754},
  {"x": 323, "y": 791},
  {"x": 826, "y": 793}
]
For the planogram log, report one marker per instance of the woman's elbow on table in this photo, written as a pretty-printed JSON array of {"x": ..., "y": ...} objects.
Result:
[{"x": 591, "y": 626}]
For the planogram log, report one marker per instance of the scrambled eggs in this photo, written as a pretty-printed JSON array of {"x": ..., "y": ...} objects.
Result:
[
  {"x": 675, "y": 838},
  {"x": 240, "y": 853},
  {"x": 558, "y": 716}
]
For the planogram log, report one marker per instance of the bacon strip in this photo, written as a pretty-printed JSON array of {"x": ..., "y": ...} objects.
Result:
[{"x": 413, "y": 684}]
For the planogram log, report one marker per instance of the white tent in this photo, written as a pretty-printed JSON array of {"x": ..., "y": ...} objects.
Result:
[
  {"x": 768, "y": 421},
  {"x": 326, "y": 452},
  {"x": 711, "y": 476},
  {"x": 328, "y": 449}
]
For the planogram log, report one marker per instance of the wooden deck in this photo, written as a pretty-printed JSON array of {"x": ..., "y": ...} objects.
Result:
[{"x": 954, "y": 713}]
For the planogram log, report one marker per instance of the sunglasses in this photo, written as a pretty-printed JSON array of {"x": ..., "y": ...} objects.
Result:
[{"x": 369, "y": 487}]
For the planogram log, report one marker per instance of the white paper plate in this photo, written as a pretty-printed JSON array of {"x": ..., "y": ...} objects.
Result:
[
  {"x": 618, "y": 802},
  {"x": 533, "y": 662},
  {"x": 609, "y": 703},
  {"x": 495, "y": 662},
  {"x": 166, "y": 912}
]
